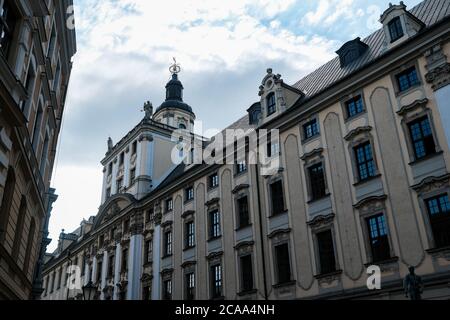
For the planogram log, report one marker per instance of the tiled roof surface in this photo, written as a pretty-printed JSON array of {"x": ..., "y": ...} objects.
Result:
[{"x": 428, "y": 11}]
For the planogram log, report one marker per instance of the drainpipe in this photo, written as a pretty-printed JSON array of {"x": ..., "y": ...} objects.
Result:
[{"x": 266, "y": 294}]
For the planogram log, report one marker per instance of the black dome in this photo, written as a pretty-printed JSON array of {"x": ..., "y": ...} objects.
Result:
[{"x": 174, "y": 96}]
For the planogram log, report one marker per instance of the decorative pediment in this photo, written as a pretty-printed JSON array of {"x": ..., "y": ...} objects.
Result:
[
  {"x": 432, "y": 183},
  {"x": 240, "y": 187},
  {"x": 321, "y": 221},
  {"x": 311, "y": 156},
  {"x": 418, "y": 105},
  {"x": 112, "y": 208},
  {"x": 371, "y": 205},
  {"x": 352, "y": 135}
]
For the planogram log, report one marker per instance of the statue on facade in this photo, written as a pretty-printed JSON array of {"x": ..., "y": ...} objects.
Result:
[
  {"x": 148, "y": 109},
  {"x": 413, "y": 285},
  {"x": 110, "y": 144}
]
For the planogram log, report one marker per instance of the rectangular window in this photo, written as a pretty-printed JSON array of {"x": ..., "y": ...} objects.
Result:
[
  {"x": 326, "y": 252},
  {"x": 216, "y": 281},
  {"x": 169, "y": 205},
  {"x": 124, "y": 260},
  {"x": 101, "y": 241},
  {"x": 246, "y": 273},
  {"x": 108, "y": 192},
  {"x": 168, "y": 243},
  {"x": 167, "y": 290},
  {"x": 310, "y": 129},
  {"x": 271, "y": 104},
  {"x": 149, "y": 251},
  {"x": 122, "y": 159},
  {"x": 119, "y": 185},
  {"x": 99, "y": 271},
  {"x": 132, "y": 176},
  {"x": 213, "y": 181},
  {"x": 277, "y": 197},
  {"x": 395, "y": 29},
  {"x": 150, "y": 215},
  {"x": 110, "y": 169},
  {"x": 134, "y": 148},
  {"x": 7, "y": 25},
  {"x": 422, "y": 138},
  {"x": 126, "y": 226},
  {"x": 244, "y": 217},
  {"x": 378, "y": 236},
  {"x": 283, "y": 263},
  {"x": 214, "y": 225},
  {"x": 364, "y": 161},
  {"x": 189, "y": 194},
  {"x": 407, "y": 79},
  {"x": 147, "y": 293},
  {"x": 110, "y": 267},
  {"x": 317, "y": 181},
  {"x": 241, "y": 167},
  {"x": 354, "y": 106},
  {"x": 190, "y": 235},
  {"x": 439, "y": 213},
  {"x": 190, "y": 286}
]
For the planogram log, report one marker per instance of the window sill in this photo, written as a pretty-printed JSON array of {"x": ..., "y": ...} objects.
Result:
[
  {"x": 275, "y": 215},
  {"x": 244, "y": 227},
  {"x": 247, "y": 292},
  {"x": 426, "y": 158},
  {"x": 238, "y": 174},
  {"x": 210, "y": 189},
  {"x": 319, "y": 199},
  {"x": 214, "y": 239},
  {"x": 408, "y": 91},
  {"x": 284, "y": 284},
  {"x": 310, "y": 139},
  {"x": 189, "y": 201},
  {"x": 356, "y": 116},
  {"x": 330, "y": 274},
  {"x": 362, "y": 182},
  {"x": 167, "y": 256},
  {"x": 188, "y": 248},
  {"x": 382, "y": 262}
]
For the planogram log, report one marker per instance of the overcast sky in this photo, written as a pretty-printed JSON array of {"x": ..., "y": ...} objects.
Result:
[{"x": 125, "y": 48}]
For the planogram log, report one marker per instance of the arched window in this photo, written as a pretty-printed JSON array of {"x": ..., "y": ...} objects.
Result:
[
  {"x": 271, "y": 104},
  {"x": 6, "y": 202},
  {"x": 31, "y": 235},
  {"x": 182, "y": 126},
  {"x": 19, "y": 228}
]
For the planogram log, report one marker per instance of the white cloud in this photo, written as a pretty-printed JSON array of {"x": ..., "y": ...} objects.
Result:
[{"x": 329, "y": 12}]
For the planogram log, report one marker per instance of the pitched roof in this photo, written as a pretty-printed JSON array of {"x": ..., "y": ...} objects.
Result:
[{"x": 429, "y": 12}]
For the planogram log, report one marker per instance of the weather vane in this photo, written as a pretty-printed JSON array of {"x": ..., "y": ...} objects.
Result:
[{"x": 175, "y": 68}]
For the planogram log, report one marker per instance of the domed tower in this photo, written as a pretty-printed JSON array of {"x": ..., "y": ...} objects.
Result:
[{"x": 174, "y": 112}]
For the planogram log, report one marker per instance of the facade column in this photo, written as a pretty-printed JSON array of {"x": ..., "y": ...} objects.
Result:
[
  {"x": 104, "y": 274},
  {"x": 87, "y": 276},
  {"x": 156, "y": 281},
  {"x": 438, "y": 76},
  {"x": 94, "y": 269},
  {"x": 135, "y": 257},
  {"x": 117, "y": 269}
]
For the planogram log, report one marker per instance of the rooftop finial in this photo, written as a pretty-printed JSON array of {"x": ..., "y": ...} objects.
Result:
[{"x": 175, "y": 68}]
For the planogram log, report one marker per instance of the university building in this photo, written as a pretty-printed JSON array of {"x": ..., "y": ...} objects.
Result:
[
  {"x": 36, "y": 48},
  {"x": 364, "y": 179}
]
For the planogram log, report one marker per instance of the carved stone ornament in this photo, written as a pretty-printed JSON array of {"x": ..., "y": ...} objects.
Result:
[
  {"x": 328, "y": 279},
  {"x": 158, "y": 218},
  {"x": 439, "y": 77},
  {"x": 244, "y": 248},
  {"x": 418, "y": 104},
  {"x": 371, "y": 205},
  {"x": 136, "y": 228},
  {"x": 321, "y": 221},
  {"x": 356, "y": 132},
  {"x": 432, "y": 183},
  {"x": 281, "y": 235},
  {"x": 313, "y": 155}
]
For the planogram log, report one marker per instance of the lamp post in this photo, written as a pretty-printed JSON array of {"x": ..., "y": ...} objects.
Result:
[{"x": 89, "y": 291}]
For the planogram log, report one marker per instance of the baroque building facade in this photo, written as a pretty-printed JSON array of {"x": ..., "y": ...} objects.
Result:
[
  {"x": 36, "y": 48},
  {"x": 363, "y": 180}
]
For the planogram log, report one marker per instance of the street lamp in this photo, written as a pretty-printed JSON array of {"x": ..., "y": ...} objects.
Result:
[{"x": 89, "y": 291}]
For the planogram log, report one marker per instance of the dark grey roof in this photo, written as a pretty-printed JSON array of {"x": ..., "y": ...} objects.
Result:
[{"x": 428, "y": 11}]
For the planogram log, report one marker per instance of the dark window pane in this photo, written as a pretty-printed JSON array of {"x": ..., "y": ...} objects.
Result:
[
  {"x": 407, "y": 79},
  {"x": 190, "y": 235},
  {"x": 190, "y": 286},
  {"x": 365, "y": 162},
  {"x": 271, "y": 104},
  {"x": 214, "y": 221},
  {"x": 311, "y": 129},
  {"x": 439, "y": 212},
  {"x": 378, "y": 236},
  {"x": 247, "y": 273},
  {"x": 422, "y": 138},
  {"x": 354, "y": 106},
  {"x": 317, "y": 181},
  {"x": 276, "y": 192},
  {"x": 283, "y": 263},
  {"x": 395, "y": 29},
  {"x": 216, "y": 281},
  {"x": 244, "y": 218},
  {"x": 167, "y": 287},
  {"x": 326, "y": 252}
]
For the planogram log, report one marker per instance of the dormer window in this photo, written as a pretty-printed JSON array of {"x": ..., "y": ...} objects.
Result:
[
  {"x": 351, "y": 51},
  {"x": 271, "y": 104},
  {"x": 395, "y": 29}
]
